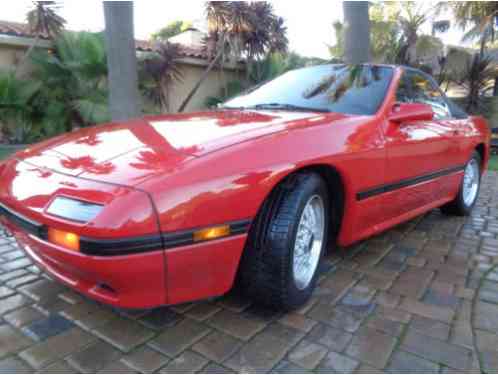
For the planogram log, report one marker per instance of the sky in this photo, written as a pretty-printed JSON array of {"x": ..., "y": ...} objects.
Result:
[{"x": 309, "y": 22}]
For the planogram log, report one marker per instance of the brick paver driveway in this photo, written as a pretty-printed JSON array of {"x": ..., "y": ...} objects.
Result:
[{"x": 422, "y": 297}]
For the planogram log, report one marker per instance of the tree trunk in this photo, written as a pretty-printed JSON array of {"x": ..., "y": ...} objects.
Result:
[
  {"x": 356, "y": 32},
  {"x": 200, "y": 81},
  {"x": 482, "y": 47},
  {"x": 124, "y": 99},
  {"x": 411, "y": 54}
]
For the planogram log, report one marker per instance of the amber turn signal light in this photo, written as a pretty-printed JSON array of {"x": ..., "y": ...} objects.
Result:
[
  {"x": 67, "y": 240},
  {"x": 211, "y": 233}
]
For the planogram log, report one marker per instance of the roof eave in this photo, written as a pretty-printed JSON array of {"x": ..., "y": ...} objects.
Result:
[{"x": 23, "y": 42}]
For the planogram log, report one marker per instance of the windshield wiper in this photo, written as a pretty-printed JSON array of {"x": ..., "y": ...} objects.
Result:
[
  {"x": 278, "y": 106},
  {"x": 288, "y": 107}
]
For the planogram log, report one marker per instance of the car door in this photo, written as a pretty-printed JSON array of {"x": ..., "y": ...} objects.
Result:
[{"x": 418, "y": 152}]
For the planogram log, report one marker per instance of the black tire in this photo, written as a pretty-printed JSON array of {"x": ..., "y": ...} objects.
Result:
[
  {"x": 458, "y": 206},
  {"x": 266, "y": 270}
]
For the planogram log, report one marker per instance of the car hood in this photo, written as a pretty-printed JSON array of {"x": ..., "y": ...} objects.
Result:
[{"x": 130, "y": 152}]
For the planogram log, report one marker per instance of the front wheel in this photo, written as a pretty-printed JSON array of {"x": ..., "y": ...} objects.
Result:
[
  {"x": 469, "y": 189},
  {"x": 287, "y": 240}
]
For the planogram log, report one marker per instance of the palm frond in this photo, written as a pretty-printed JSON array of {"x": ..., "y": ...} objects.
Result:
[
  {"x": 93, "y": 109},
  {"x": 43, "y": 19},
  {"x": 441, "y": 26}
]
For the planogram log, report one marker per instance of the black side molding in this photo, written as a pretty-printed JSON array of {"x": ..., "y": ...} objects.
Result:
[
  {"x": 407, "y": 182},
  {"x": 133, "y": 245},
  {"x": 122, "y": 246},
  {"x": 183, "y": 238}
]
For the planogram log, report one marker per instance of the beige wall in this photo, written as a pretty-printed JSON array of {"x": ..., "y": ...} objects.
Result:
[
  {"x": 9, "y": 56},
  {"x": 212, "y": 86}
]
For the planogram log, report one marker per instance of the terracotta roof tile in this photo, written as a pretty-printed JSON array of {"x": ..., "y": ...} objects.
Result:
[
  {"x": 16, "y": 29},
  {"x": 22, "y": 30}
]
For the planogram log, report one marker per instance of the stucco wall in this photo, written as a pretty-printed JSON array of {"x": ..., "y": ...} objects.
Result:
[
  {"x": 212, "y": 86},
  {"x": 9, "y": 56}
]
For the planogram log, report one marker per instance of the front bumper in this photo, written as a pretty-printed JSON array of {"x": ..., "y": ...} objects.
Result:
[
  {"x": 128, "y": 281},
  {"x": 143, "y": 280}
]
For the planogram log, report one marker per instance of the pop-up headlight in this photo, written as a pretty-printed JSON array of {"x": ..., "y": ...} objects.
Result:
[{"x": 73, "y": 209}]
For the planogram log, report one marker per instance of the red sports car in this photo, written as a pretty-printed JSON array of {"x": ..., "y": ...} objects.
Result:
[{"x": 175, "y": 208}]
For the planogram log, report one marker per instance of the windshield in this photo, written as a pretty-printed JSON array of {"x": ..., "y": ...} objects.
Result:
[{"x": 349, "y": 89}]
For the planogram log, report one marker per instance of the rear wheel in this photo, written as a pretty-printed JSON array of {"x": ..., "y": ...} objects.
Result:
[
  {"x": 469, "y": 189},
  {"x": 280, "y": 264}
]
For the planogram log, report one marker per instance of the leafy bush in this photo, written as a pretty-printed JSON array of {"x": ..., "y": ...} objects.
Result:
[
  {"x": 477, "y": 79},
  {"x": 232, "y": 89},
  {"x": 158, "y": 71},
  {"x": 74, "y": 82},
  {"x": 16, "y": 110}
]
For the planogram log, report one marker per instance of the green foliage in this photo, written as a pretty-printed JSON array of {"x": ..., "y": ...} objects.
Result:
[
  {"x": 395, "y": 33},
  {"x": 493, "y": 163},
  {"x": 490, "y": 105},
  {"x": 74, "y": 77},
  {"x": 385, "y": 34},
  {"x": 5, "y": 152},
  {"x": 477, "y": 79},
  {"x": 158, "y": 71},
  {"x": 428, "y": 45},
  {"x": 16, "y": 111},
  {"x": 245, "y": 27},
  {"x": 43, "y": 19},
  {"x": 172, "y": 29},
  {"x": 337, "y": 50},
  {"x": 275, "y": 64},
  {"x": 67, "y": 88},
  {"x": 240, "y": 28},
  {"x": 232, "y": 89},
  {"x": 478, "y": 18}
]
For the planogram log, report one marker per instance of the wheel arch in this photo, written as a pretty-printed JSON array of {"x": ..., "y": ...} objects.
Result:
[
  {"x": 481, "y": 150},
  {"x": 250, "y": 262},
  {"x": 335, "y": 187}
]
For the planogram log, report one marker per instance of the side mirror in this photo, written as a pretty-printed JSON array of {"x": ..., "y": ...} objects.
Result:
[{"x": 402, "y": 112}]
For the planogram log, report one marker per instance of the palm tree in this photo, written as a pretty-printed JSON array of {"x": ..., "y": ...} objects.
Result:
[
  {"x": 479, "y": 16},
  {"x": 16, "y": 96},
  {"x": 477, "y": 79},
  {"x": 385, "y": 33},
  {"x": 73, "y": 81},
  {"x": 356, "y": 32},
  {"x": 239, "y": 28},
  {"x": 159, "y": 70},
  {"x": 479, "y": 19},
  {"x": 124, "y": 100},
  {"x": 411, "y": 17},
  {"x": 43, "y": 21},
  {"x": 170, "y": 30}
]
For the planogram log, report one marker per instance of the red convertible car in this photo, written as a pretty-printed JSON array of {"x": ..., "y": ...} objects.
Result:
[{"x": 175, "y": 208}]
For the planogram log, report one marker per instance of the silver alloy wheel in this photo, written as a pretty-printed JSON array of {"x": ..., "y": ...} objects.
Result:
[
  {"x": 470, "y": 182},
  {"x": 308, "y": 242}
]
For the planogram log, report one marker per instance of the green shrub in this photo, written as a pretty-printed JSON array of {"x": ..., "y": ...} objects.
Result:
[
  {"x": 233, "y": 88},
  {"x": 74, "y": 82},
  {"x": 16, "y": 109}
]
